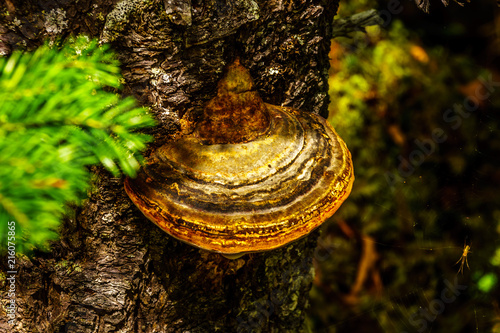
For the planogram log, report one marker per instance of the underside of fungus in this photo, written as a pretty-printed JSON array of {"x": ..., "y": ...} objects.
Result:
[{"x": 251, "y": 177}]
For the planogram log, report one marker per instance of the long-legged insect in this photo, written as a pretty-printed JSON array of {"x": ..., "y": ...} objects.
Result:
[{"x": 463, "y": 259}]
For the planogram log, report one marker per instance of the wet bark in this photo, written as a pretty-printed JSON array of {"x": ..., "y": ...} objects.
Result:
[{"x": 113, "y": 270}]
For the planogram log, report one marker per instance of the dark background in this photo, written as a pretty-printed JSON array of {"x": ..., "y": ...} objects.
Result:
[{"x": 387, "y": 259}]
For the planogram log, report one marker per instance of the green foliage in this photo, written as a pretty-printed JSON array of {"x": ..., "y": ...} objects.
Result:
[
  {"x": 58, "y": 114},
  {"x": 388, "y": 91}
]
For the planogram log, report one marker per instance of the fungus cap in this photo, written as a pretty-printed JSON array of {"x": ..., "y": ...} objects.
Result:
[{"x": 251, "y": 177}]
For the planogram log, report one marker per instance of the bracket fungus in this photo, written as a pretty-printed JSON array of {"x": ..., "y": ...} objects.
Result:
[{"x": 251, "y": 176}]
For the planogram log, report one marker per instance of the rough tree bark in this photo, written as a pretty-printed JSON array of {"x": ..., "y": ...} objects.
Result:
[{"x": 113, "y": 270}]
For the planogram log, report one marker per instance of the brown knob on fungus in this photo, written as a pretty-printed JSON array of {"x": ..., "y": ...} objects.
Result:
[{"x": 251, "y": 177}]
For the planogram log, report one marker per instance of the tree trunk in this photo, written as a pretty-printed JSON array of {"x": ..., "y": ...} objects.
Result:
[{"x": 113, "y": 270}]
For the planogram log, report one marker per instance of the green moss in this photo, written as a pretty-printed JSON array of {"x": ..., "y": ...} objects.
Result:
[{"x": 68, "y": 266}]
